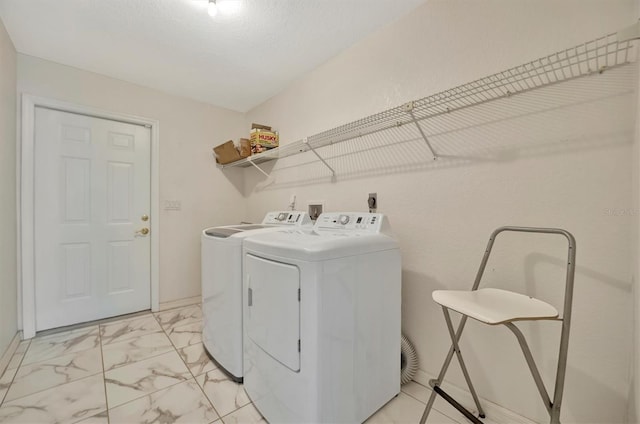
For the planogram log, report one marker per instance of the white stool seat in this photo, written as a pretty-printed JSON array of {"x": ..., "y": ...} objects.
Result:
[{"x": 494, "y": 306}]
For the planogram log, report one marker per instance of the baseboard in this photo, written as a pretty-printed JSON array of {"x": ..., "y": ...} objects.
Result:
[
  {"x": 498, "y": 414},
  {"x": 423, "y": 377},
  {"x": 8, "y": 354},
  {"x": 179, "y": 303}
]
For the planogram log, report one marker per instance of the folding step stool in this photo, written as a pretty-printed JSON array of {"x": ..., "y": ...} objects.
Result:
[{"x": 495, "y": 306}]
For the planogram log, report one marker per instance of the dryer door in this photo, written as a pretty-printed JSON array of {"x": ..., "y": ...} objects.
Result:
[{"x": 273, "y": 305}]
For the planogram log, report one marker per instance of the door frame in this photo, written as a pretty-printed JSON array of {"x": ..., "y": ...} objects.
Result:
[{"x": 26, "y": 200}]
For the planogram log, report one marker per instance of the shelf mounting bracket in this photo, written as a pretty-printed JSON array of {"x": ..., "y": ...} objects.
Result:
[
  {"x": 306, "y": 142},
  {"x": 257, "y": 167},
  {"x": 629, "y": 33},
  {"x": 408, "y": 107}
]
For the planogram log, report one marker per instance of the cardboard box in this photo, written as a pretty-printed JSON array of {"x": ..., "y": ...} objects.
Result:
[
  {"x": 260, "y": 127},
  {"x": 262, "y": 140},
  {"x": 245, "y": 147},
  {"x": 226, "y": 153}
]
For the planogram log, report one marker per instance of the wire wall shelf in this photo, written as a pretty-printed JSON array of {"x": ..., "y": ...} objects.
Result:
[{"x": 590, "y": 58}]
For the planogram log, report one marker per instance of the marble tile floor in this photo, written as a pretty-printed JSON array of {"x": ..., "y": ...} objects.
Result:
[{"x": 146, "y": 368}]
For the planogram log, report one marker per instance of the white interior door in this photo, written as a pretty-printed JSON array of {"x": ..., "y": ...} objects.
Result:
[{"x": 92, "y": 194}]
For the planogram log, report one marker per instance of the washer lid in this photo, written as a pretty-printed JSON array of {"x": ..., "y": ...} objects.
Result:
[
  {"x": 318, "y": 245},
  {"x": 224, "y": 232},
  {"x": 271, "y": 220}
]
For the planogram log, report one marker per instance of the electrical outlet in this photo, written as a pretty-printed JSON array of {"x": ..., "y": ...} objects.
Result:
[
  {"x": 372, "y": 202},
  {"x": 315, "y": 209}
]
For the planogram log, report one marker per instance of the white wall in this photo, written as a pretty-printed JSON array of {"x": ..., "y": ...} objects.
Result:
[
  {"x": 634, "y": 392},
  {"x": 634, "y": 371},
  {"x": 8, "y": 222},
  {"x": 188, "y": 132},
  {"x": 556, "y": 157}
]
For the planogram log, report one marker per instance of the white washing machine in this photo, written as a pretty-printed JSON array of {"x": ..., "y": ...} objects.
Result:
[
  {"x": 322, "y": 320},
  {"x": 222, "y": 286}
]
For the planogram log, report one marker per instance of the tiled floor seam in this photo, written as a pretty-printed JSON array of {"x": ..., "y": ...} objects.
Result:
[
  {"x": 104, "y": 377},
  {"x": 16, "y": 373},
  {"x": 425, "y": 404},
  {"x": 411, "y": 396},
  {"x": 102, "y": 369},
  {"x": 24, "y": 355},
  {"x": 120, "y": 340},
  {"x": 146, "y": 394},
  {"x": 207, "y": 397},
  {"x": 131, "y": 338},
  {"x": 220, "y": 417},
  {"x": 144, "y": 359},
  {"x": 243, "y": 406},
  {"x": 200, "y": 387},
  {"x": 9, "y": 386},
  {"x": 149, "y": 394},
  {"x": 48, "y": 388},
  {"x": 22, "y": 365},
  {"x": 48, "y": 358},
  {"x": 177, "y": 307},
  {"x": 97, "y": 322},
  {"x": 188, "y": 368},
  {"x": 64, "y": 384}
]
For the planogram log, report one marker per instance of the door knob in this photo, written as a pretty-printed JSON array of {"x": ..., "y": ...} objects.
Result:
[{"x": 143, "y": 231}]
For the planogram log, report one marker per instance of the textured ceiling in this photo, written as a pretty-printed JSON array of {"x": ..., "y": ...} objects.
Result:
[{"x": 235, "y": 61}]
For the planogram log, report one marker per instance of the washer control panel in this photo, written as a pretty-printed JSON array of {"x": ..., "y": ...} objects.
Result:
[
  {"x": 292, "y": 218},
  {"x": 353, "y": 221}
]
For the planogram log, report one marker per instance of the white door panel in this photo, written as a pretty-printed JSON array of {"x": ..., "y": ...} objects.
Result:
[{"x": 92, "y": 186}]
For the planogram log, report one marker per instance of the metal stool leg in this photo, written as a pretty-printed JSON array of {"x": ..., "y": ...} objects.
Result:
[
  {"x": 532, "y": 365},
  {"x": 561, "y": 370},
  {"x": 564, "y": 338},
  {"x": 434, "y": 383},
  {"x": 443, "y": 371},
  {"x": 455, "y": 337},
  {"x": 447, "y": 317}
]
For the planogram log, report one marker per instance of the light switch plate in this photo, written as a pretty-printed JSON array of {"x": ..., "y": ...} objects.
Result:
[{"x": 172, "y": 205}]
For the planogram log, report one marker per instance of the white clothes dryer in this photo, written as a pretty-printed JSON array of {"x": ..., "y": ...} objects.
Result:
[
  {"x": 221, "y": 249},
  {"x": 322, "y": 320}
]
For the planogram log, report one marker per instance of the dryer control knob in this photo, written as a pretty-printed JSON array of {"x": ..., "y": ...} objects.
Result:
[{"x": 343, "y": 219}]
